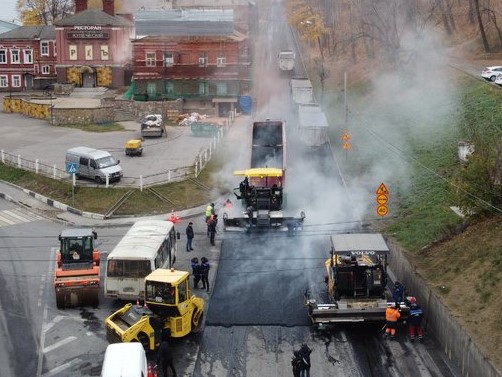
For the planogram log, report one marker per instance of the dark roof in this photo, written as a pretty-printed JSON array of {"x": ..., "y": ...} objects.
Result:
[
  {"x": 185, "y": 22},
  {"x": 94, "y": 17},
  {"x": 44, "y": 32}
]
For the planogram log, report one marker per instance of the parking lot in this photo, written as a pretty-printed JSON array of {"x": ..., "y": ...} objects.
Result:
[{"x": 36, "y": 140}]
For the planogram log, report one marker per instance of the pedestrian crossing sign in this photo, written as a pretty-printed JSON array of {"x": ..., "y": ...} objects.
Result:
[{"x": 72, "y": 167}]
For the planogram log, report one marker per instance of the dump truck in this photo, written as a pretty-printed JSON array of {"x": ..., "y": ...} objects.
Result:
[
  {"x": 286, "y": 60},
  {"x": 152, "y": 125},
  {"x": 77, "y": 276},
  {"x": 168, "y": 304},
  {"x": 260, "y": 200},
  {"x": 355, "y": 288},
  {"x": 312, "y": 125},
  {"x": 302, "y": 91}
]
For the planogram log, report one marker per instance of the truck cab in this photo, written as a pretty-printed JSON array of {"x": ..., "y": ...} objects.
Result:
[{"x": 77, "y": 275}]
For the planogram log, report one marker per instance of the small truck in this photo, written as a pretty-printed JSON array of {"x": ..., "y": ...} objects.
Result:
[{"x": 286, "y": 60}]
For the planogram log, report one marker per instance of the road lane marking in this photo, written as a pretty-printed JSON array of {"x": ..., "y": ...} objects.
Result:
[
  {"x": 62, "y": 367},
  {"x": 61, "y": 343}
]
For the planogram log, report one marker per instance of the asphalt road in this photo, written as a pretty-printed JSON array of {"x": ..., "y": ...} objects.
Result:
[{"x": 255, "y": 316}]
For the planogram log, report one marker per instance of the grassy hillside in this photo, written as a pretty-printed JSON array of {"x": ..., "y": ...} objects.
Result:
[{"x": 459, "y": 257}]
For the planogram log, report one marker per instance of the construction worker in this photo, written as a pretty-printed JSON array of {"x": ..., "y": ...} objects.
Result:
[
  {"x": 305, "y": 352},
  {"x": 399, "y": 293},
  {"x": 209, "y": 213},
  {"x": 415, "y": 320},
  {"x": 196, "y": 272},
  {"x": 391, "y": 316},
  {"x": 228, "y": 204},
  {"x": 164, "y": 354},
  {"x": 211, "y": 227},
  {"x": 204, "y": 272},
  {"x": 190, "y": 234},
  {"x": 297, "y": 364}
]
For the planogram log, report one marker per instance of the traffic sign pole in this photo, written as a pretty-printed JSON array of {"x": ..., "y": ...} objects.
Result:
[{"x": 74, "y": 183}]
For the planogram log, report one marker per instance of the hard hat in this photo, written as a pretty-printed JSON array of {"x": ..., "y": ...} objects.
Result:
[{"x": 392, "y": 304}]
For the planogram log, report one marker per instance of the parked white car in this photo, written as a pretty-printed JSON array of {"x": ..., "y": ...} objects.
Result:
[
  {"x": 491, "y": 73},
  {"x": 498, "y": 80}
]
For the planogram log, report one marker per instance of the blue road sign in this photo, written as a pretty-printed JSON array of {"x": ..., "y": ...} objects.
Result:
[{"x": 72, "y": 167}]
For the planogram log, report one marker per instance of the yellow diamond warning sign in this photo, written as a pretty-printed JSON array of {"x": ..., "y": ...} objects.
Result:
[{"x": 382, "y": 189}]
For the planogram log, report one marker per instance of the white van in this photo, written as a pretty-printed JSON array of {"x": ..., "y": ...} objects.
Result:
[
  {"x": 94, "y": 164},
  {"x": 125, "y": 360}
]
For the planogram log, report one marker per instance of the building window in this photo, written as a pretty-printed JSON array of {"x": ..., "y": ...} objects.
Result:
[
  {"x": 104, "y": 53},
  {"x": 168, "y": 59},
  {"x": 14, "y": 57},
  {"x": 169, "y": 88},
  {"x": 88, "y": 52},
  {"x": 203, "y": 88},
  {"x": 44, "y": 48},
  {"x": 221, "y": 61},
  {"x": 73, "y": 52},
  {"x": 203, "y": 59},
  {"x": 150, "y": 59},
  {"x": 16, "y": 81},
  {"x": 221, "y": 89},
  {"x": 46, "y": 69},
  {"x": 3, "y": 56},
  {"x": 3, "y": 81},
  {"x": 28, "y": 56}
]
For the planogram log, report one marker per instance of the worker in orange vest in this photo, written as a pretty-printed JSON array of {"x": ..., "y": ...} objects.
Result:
[{"x": 391, "y": 316}]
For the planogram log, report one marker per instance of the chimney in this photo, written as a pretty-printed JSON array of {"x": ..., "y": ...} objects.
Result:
[
  {"x": 80, "y": 5},
  {"x": 108, "y": 7}
]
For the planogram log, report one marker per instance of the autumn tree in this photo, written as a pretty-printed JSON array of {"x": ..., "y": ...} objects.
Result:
[
  {"x": 308, "y": 21},
  {"x": 43, "y": 12}
]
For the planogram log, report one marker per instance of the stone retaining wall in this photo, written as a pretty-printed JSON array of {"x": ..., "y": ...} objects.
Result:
[
  {"x": 101, "y": 115},
  {"x": 170, "y": 110}
]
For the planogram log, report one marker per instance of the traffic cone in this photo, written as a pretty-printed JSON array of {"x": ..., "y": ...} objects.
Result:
[
  {"x": 172, "y": 218},
  {"x": 151, "y": 371},
  {"x": 145, "y": 305},
  {"x": 137, "y": 301},
  {"x": 177, "y": 218}
]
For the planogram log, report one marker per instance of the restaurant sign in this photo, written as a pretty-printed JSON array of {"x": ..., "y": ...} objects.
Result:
[{"x": 87, "y": 32}]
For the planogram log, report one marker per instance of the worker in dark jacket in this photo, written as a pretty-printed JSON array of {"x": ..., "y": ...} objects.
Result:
[
  {"x": 211, "y": 228},
  {"x": 297, "y": 364},
  {"x": 415, "y": 320},
  {"x": 196, "y": 272},
  {"x": 190, "y": 235},
  {"x": 305, "y": 352},
  {"x": 165, "y": 355},
  {"x": 399, "y": 293},
  {"x": 392, "y": 315},
  {"x": 204, "y": 272}
]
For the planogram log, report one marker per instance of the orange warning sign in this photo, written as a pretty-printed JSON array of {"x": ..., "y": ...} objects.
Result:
[
  {"x": 346, "y": 136},
  {"x": 382, "y": 199},
  {"x": 382, "y": 189},
  {"x": 382, "y": 210},
  {"x": 346, "y": 146}
]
